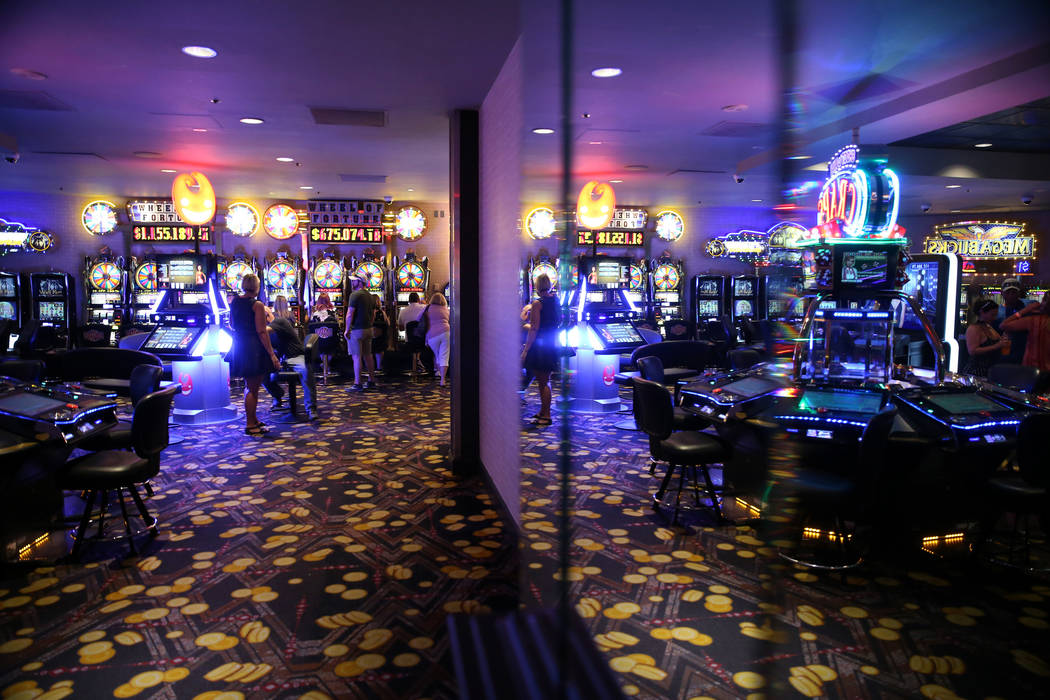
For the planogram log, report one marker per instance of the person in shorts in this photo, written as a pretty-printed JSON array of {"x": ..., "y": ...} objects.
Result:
[{"x": 360, "y": 312}]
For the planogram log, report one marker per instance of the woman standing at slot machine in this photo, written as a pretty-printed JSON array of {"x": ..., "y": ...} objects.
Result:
[
  {"x": 983, "y": 343},
  {"x": 251, "y": 355},
  {"x": 540, "y": 355}
]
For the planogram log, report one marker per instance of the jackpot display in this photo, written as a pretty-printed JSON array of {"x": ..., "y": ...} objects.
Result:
[{"x": 667, "y": 291}]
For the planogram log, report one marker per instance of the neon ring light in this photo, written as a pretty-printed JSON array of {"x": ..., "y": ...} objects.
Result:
[
  {"x": 669, "y": 225},
  {"x": 104, "y": 276},
  {"x": 410, "y": 224},
  {"x": 281, "y": 221},
  {"x": 539, "y": 223},
  {"x": 99, "y": 217},
  {"x": 242, "y": 219}
]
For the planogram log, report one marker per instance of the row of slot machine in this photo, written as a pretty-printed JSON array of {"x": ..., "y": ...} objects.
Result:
[
  {"x": 43, "y": 298},
  {"x": 754, "y": 297},
  {"x": 654, "y": 295},
  {"x": 121, "y": 293}
]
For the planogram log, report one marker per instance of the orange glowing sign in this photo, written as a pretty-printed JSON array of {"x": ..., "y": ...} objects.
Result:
[
  {"x": 594, "y": 208},
  {"x": 193, "y": 197}
]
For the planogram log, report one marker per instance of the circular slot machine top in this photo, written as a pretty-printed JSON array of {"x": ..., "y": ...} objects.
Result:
[
  {"x": 665, "y": 277},
  {"x": 104, "y": 276},
  {"x": 281, "y": 275},
  {"x": 146, "y": 276},
  {"x": 410, "y": 224},
  {"x": 637, "y": 278},
  {"x": 411, "y": 275},
  {"x": 235, "y": 272},
  {"x": 328, "y": 274},
  {"x": 372, "y": 272},
  {"x": 545, "y": 268},
  {"x": 281, "y": 221}
]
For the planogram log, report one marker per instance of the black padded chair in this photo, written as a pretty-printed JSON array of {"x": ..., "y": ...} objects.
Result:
[
  {"x": 684, "y": 451},
  {"x": 93, "y": 335},
  {"x": 681, "y": 359},
  {"x": 327, "y": 343},
  {"x": 742, "y": 358},
  {"x": 105, "y": 369},
  {"x": 291, "y": 378},
  {"x": 825, "y": 501},
  {"x": 1019, "y": 377},
  {"x": 1024, "y": 491},
  {"x": 679, "y": 329},
  {"x": 99, "y": 473},
  {"x": 145, "y": 379},
  {"x": 652, "y": 369},
  {"x": 27, "y": 370}
]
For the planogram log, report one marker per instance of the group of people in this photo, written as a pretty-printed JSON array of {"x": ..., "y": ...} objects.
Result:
[
  {"x": 1018, "y": 332},
  {"x": 266, "y": 339}
]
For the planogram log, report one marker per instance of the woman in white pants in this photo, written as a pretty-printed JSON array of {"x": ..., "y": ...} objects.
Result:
[{"x": 439, "y": 333}]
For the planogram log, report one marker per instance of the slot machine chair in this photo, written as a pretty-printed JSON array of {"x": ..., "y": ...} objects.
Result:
[
  {"x": 1020, "y": 377},
  {"x": 93, "y": 335},
  {"x": 6, "y": 328},
  {"x": 742, "y": 358},
  {"x": 105, "y": 369},
  {"x": 684, "y": 451},
  {"x": 135, "y": 341},
  {"x": 681, "y": 359},
  {"x": 100, "y": 473},
  {"x": 328, "y": 346},
  {"x": 1023, "y": 491},
  {"x": 824, "y": 498},
  {"x": 144, "y": 380},
  {"x": 292, "y": 379},
  {"x": 31, "y": 371},
  {"x": 652, "y": 369},
  {"x": 680, "y": 329}
]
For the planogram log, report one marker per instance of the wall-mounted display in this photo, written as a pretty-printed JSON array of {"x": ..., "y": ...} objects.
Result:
[
  {"x": 281, "y": 221},
  {"x": 345, "y": 234},
  {"x": 410, "y": 224},
  {"x": 748, "y": 246},
  {"x": 17, "y": 238},
  {"x": 242, "y": 219},
  {"x": 194, "y": 198},
  {"x": 344, "y": 212},
  {"x": 540, "y": 223},
  {"x": 99, "y": 217},
  {"x": 669, "y": 225}
]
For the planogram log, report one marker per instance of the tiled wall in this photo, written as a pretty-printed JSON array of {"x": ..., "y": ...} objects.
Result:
[
  {"x": 60, "y": 215},
  {"x": 501, "y": 254}
]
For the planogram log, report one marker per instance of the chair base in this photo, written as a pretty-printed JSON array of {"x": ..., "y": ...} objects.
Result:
[
  {"x": 149, "y": 522},
  {"x": 838, "y": 553},
  {"x": 710, "y": 493}
]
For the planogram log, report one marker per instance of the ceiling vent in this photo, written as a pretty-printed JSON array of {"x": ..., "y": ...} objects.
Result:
[
  {"x": 28, "y": 99},
  {"x": 348, "y": 117},
  {"x": 690, "y": 171},
  {"x": 736, "y": 129},
  {"x": 350, "y": 177},
  {"x": 78, "y": 154}
]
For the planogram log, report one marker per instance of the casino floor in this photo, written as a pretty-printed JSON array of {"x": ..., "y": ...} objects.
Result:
[{"x": 323, "y": 560}]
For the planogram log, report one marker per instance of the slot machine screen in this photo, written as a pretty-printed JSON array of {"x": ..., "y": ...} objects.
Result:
[
  {"x": 595, "y": 297},
  {"x": 181, "y": 273},
  {"x": 743, "y": 308},
  {"x": 608, "y": 273},
  {"x": 172, "y": 338},
  {"x": 750, "y": 387},
  {"x": 743, "y": 288},
  {"x": 866, "y": 268},
  {"x": 194, "y": 298},
  {"x": 922, "y": 286},
  {"x": 709, "y": 288},
  {"x": 617, "y": 333},
  {"x": 7, "y": 287},
  {"x": 104, "y": 298},
  {"x": 846, "y": 401},
  {"x": 964, "y": 403},
  {"x": 47, "y": 287},
  {"x": 51, "y": 310},
  {"x": 776, "y": 307},
  {"x": 7, "y": 310},
  {"x": 707, "y": 307}
]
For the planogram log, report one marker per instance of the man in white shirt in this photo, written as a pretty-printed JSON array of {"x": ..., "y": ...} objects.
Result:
[{"x": 411, "y": 314}]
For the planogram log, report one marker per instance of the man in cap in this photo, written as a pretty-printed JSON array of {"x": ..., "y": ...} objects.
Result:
[
  {"x": 360, "y": 312},
  {"x": 1012, "y": 303}
]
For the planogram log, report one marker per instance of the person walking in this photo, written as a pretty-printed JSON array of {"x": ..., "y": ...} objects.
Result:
[
  {"x": 439, "y": 334},
  {"x": 251, "y": 355},
  {"x": 360, "y": 314},
  {"x": 541, "y": 355}
]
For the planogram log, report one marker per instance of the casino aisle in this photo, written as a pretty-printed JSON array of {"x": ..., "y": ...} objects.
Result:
[
  {"x": 318, "y": 562},
  {"x": 698, "y": 611}
]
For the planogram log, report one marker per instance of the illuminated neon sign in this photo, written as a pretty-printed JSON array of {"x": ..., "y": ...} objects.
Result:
[
  {"x": 16, "y": 238},
  {"x": 745, "y": 245},
  {"x": 982, "y": 240},
  {"x": 539, "y": 223}
]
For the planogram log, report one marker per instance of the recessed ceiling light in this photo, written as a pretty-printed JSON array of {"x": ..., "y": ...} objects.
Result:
[
  {"x": 606, "y": 72},
  {"x": 251, "y": 120},
  {"x": 982, "y": 145},
  {"x": 166, "y": 170},
  {"x": 543, "y": 130},
  {"x": 585, "y": 115},
  {"x": 306, "y": 187},
  {"x": 146, "y": 154},
  {"x": 285, "y": 159},
  {"x": 200, "y": 131},
  {"x": 28, "y": 74},
  {"x": 615, "y": 181},
  {"x": 952, "y": 187},
  {"x": 756, "y": 200},
  {"x": 955, "y": 211},
  {"x": 799, "y": 157},
  {"x": 595, "y": 143},
  {"x": 734, "y": 108},
  {"x": 200, "y": 51}
]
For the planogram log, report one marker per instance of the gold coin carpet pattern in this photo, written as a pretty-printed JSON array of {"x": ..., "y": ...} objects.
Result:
[
  {"x": 318, "y": 562},
  {"x": 694, "y": 611}
]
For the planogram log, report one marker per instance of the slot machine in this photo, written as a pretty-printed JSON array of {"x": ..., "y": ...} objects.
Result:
[
  {"x": 783, "y": 288},
  {"x": 328, "y": 276},
  {"x": 667, "y": 291},
  {"x": 10, "y": 307},
  {"x": 51, "y": 303},
  {"x": 105, "y": 282},
  {"x": 746, "y": 298},
  {"x": 637, "y": 293},
  {"x": 934, "y": 285},
  {"x": 602, "y": 291},
  {"x": 412, "y": 275},
  {"x": 373, "y": 268},
  {"x": 282, "y": 275},
  {"x": 231, "y": 271},
  {"x": 708, "y": 298},
  {"x": 144, "y": 295}
]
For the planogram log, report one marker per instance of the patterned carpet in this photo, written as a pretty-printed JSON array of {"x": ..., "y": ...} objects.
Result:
[
  {"x": 703, "y": 612},
  {"x": 320, "y": 561}
]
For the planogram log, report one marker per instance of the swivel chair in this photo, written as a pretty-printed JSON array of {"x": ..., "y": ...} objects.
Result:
[
  {"x": 684, "y": 452},
  {"x": 144, "y": 380},
  {"x": 99, "y": 473},
  {"x": 327, "y": 344}
]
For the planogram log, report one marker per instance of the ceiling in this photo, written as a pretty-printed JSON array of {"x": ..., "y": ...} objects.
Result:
[
  {"x": 117, "y": 83},
  {"x": 898, "y": 71},
  {"x": 1021, "y": 129},
  {"x": 892, "y": 69}
]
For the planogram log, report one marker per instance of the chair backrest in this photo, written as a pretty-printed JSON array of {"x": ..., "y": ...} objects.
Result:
[
  {"x": 679, "y": 329},
  {"x": 729, "y": 330},
  {"x": 312, "y": 342},
  {"x": 24, "y": 344},
  {"x": 26, "y": 370},
  {"x": 692, "y": 354},
  {"x": 649, "y": 335},
  {"x": 327, "y": 333},
  {"x": 874, "y": 444},
  {"x": 112, "y": 363},
  {"x": 133, "y": 341},
  {"x": 651, "y": 368},
  {"x": 748, "y": 331},
  {"x": 1020, "y": 377},
  {"x": 145, "y": 379},
  {"x": 149, "y": 424},
  {"x": 93, "y": 335},
  {"x": 1031, "y": 449},
  {"x": 742, "y": 358},
  {"x": 653, "y": 410}
]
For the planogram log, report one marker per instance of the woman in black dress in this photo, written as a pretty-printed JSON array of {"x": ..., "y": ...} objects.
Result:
[
  {"x": 983, "y": 343},
  {"x": 251, "y": 356},
  {"x": 541, "y": 355}
]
